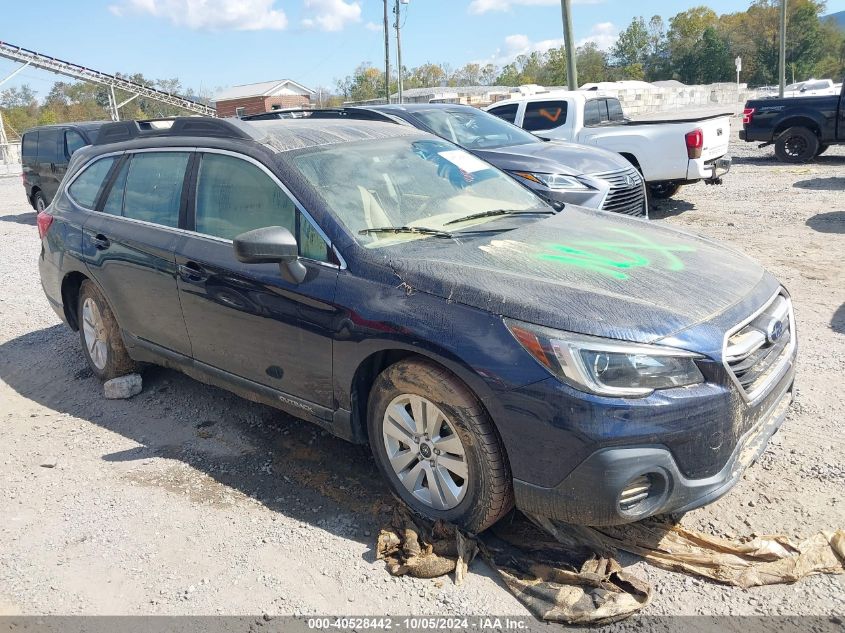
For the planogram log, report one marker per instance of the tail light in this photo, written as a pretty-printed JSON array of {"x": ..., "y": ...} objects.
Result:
[
  {"x": 695, "y": 141},
  {"x": 44, "y": 220},
  {"x": 747, "y": 115}
]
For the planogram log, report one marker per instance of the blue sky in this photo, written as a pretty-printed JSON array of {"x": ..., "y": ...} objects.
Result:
[{"x": 210, "y": 44}]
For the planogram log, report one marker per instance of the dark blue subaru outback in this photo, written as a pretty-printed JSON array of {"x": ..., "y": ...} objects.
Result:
[{"x": 398, "y": 291}]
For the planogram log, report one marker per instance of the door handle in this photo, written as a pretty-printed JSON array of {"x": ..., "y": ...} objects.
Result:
[
  {"x": 192, "y": 272},
  {"x": 101, "y": 242}
]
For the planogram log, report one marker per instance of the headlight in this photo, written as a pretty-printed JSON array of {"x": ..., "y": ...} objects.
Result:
[
  {"x": 554, "y": 181},
  {"x": 605, "y": 366}
]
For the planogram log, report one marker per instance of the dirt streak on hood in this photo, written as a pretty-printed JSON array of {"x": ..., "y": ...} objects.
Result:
[{"x": 589, "y": 272}]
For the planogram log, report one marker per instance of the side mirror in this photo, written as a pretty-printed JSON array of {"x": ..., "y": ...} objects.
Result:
[{"x": 271, "y": 245}]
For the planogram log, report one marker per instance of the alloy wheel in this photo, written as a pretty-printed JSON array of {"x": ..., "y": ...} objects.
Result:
[
  {"x": 94, "y": 331},
  {"x": 425, "y": 451}
]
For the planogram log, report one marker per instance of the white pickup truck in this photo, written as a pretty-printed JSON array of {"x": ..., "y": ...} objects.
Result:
[{"x": 668, "y": 152}]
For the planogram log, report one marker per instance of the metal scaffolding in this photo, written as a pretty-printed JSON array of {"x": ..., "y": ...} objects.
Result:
[{"x": 61, "y": 67}]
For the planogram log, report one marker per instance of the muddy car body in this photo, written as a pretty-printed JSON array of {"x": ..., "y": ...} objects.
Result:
[{"x": 592, "y": 367}]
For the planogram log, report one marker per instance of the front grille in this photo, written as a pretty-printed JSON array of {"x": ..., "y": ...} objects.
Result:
[
  {"x": 756, "y": 352},
  {"x": 624, "y": 197}
]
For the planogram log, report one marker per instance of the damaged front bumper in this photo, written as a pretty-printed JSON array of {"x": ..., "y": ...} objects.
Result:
[{"x": 618, "y": 485}]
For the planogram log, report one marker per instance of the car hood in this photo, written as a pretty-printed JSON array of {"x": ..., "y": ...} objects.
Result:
[
  {"x": 554, "y": 157},
  {"x": 585, "y": 271}
]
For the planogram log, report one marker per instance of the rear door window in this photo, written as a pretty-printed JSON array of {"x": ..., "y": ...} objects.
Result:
[
  {"x": 29, "y": 146},
  {"x": 153, "y": 190},
  {"x": 73, "y": 142},
  {"x": 506, "y": 112},
  {"x": 86, "y": 187},
  {"x": 48, "y": 146},
  {"x": 614, "y": 111},
  {"x": 591, "y": 113},
  {"x": 544, "y": 115},
  {"x": 234, "y": 196}
]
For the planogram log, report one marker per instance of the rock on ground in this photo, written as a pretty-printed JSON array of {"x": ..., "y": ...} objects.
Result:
[{"x": 123, "y": 387}]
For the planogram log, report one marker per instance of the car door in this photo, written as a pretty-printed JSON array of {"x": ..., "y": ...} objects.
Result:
[
  {"x": 128, "y": 245},
  {"x": 49, "y": 140},
  {"x": 246, "y": 319}
]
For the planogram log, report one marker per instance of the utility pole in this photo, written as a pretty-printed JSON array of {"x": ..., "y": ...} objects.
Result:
[
  {"x": 782, "y": 55},
  {"x": 398, "y": 48},
  {"x": 386, "y": 55},
  {"x": 569, "y": 42}
]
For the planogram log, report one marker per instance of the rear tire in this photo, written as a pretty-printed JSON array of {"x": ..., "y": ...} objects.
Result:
[
  {"x": 797, "y": 145},
  {"x": 39, "y": 202},
  {"x": 663, "y": 190},
  {"x": 100, "y": 335},
  {"x": 437, "y": 447}
]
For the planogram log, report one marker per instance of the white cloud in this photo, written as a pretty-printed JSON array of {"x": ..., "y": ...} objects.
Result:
[
  {"x": 374, "y": 26},
  {"x": 604, "y": 34},
  {"x": 477, "y": 7},
  {"x": 331, "y": 15},
  {"x": 237, "y": 15}
]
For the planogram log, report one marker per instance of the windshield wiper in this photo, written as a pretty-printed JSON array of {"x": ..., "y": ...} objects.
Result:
[
  {"x": 405, "y": 229},
  {"x": 487, "y": 214}
]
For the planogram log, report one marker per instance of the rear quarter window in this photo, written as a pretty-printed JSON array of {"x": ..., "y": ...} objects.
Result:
[
  {"x": 29, "y": 146},
  {"x": 544, "y": 115},
  {"x": 86, "y": 187},
  {"x": 506, "y": 112},
  {"x": 48, "y": 146}
]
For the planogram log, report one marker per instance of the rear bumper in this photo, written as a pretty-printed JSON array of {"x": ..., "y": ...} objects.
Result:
[
  {"x": 710, "y": 171},
  {"x": 590, "y": 494}
]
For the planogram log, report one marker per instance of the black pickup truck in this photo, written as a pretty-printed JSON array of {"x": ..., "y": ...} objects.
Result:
[{"x": 800, "y": 127}]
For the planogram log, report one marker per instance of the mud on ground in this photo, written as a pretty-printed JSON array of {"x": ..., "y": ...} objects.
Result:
[{"x": 189, "y": 500}]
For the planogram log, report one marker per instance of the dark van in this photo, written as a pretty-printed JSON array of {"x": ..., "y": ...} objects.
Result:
[{"x": 45, "y": 152}]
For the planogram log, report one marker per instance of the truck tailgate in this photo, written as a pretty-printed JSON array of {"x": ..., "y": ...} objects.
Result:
[{"x": 717, "y": 134}]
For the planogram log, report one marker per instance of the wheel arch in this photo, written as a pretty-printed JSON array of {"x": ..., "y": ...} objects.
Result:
[
  {"x": 798, "y": 121},
  {"x": 376, "y": 362},
  {"x": 71, "y": 283}
]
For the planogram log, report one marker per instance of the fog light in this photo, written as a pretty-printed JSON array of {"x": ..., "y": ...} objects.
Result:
[{"x": 635, "y": 492}]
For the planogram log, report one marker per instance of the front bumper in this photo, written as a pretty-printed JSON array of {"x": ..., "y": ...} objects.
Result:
[{"x": 590, "y": 494}]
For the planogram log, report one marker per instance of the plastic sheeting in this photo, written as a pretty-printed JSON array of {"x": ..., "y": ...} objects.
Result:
[{"x": 568, "y": 573}]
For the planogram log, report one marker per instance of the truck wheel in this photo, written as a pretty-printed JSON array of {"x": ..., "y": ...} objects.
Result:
[
  {"x": 822, "y": 149},
  {"x": 100, "y": 335},
  {"x": 797, "y": 145},
  {"x": 437, "y": 447},
  {"x": 39, "y": 202},
  {"x": 663, "y": 190}
]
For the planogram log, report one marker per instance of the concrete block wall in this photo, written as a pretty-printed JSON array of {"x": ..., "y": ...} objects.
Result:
[{"x": 646, "y": 100}]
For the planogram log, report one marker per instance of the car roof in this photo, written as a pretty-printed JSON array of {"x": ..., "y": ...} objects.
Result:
[
  {"x": 289, "y": 134},
  {"x": 84, "y": 125},
  {"x": 278, "y": 135},
  {"x": 418, "y": 107}
]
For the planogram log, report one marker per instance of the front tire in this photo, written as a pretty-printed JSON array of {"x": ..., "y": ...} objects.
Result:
[
  {"x": 822, "y": 149},
  {"x": 100, "y": 335},
  {"x": 797, "y": 145},
  {"x": 437, "y": 447}
]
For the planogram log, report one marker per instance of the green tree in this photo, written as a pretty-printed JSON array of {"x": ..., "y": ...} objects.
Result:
[
  {"x": 592, "y": 63},
  {"x": 633, "y": 45}
]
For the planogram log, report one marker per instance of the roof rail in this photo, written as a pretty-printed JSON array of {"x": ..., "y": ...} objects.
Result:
[{"x": 174, "y": 126}]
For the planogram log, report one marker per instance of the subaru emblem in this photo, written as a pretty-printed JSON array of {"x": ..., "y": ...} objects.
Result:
[{"x": 774, "y": 331}]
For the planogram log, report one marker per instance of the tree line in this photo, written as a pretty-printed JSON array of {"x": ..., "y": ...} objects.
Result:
[
  {"x": 696, "y": 46},
  {"x": 84, "y": 101}
]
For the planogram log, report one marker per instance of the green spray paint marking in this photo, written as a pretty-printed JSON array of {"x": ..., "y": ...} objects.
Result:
[{"x": 614, "y": 258}]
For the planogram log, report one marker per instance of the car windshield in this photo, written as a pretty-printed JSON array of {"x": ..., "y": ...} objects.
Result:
[
  {"x": 409, "y": 182},
  {"x": 472, "y": 128}
]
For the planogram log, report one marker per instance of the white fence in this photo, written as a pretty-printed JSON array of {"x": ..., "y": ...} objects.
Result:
[{"x": 10, "y": 159}]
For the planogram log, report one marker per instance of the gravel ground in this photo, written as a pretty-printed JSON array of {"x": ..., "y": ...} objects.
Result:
[{"x": 188, "y": 500}]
